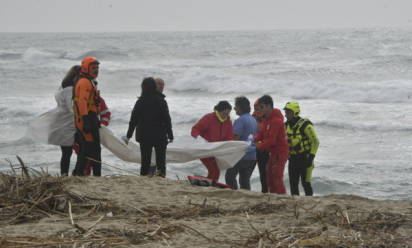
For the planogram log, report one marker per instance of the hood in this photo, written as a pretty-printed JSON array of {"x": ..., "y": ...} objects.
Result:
[{"x": 276, "y": 113}]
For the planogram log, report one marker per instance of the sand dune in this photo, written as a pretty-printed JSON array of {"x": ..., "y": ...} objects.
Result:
[{"x": 157, "y": 212}]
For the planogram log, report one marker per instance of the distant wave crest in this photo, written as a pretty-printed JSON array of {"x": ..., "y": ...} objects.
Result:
[
  {"x": 9, "y": 56},
  {"x": 214, "y": 81},
  {"x": 34, "y": 55},
  {"x": 362, "y": 127},
  {"x": 102, "y": 53}
]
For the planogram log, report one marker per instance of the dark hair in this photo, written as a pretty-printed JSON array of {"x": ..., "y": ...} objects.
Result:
[
  {"x": 71, "y": 76},
  {"x": 266, "y": 99},
  {"x": 223, "y": 105},
  {"x": 243, "y": 103},
  {"x": 148, "y": 87}
]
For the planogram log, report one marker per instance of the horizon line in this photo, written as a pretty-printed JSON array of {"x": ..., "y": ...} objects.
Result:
[{"x": 221, "y": 30}]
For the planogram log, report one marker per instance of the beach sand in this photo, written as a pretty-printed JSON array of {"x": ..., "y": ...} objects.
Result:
[{"x": 133, "y": 211}]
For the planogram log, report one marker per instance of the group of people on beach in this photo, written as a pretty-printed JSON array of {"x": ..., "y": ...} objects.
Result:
[
  {"x": 273, "y": 143},
  {"x": 272, "y": 140}
]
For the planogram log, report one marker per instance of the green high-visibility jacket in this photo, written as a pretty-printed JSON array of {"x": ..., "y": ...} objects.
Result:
[{"x": 301, "y": 137}]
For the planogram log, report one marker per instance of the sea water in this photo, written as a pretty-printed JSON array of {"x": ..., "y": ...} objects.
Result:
[{"x": 355, "y": 85}]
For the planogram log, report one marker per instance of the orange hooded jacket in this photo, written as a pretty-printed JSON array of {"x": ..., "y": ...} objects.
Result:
[{"x": 85, "y": 99}]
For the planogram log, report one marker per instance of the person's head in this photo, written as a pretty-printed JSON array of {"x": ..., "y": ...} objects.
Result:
[
  {"x": 292, "y": 110},
  {"x": 71, "y": 76},
  {"x": 90, "y": 67},
  {"x": 148, "y": 86},
  {"x": 160, "y": 84},
  {"x": 224, "y": 108},
  {"x": 265, "y": 104},
  {"x": 257, "y": 113},
  {"x": 242, "y": 105}
]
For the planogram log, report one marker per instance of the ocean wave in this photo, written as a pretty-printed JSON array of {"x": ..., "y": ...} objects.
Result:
[
  {"x": 395, "y": 59},
  {"x": 215, "y": 81},
  {"x": 122, "y": 117},
  {"x": 217, "y": 64},
  {"x": 106, "y": 53},
  {"x": 200, "y": 80},
  {"x": 362, "y": 126},
  {"x": 15, "y": 115},
  {"x": 181, "y": 121},
  {"x": 35, "y": 55},
  {"x": 19, "y": 110},
  {"x": 330, "y": 186},
  {"x": 253, "y": 63},
  {"x": 7, "y": 56},
  {"x": 326, "y": 48},
  {"x": 393, "y": 91},
  {"x": 14, "y": 143}
]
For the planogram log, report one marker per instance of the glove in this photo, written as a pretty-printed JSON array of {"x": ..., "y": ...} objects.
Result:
[
  {"x": 195, "y": 137},
  {"x": 125, "y": 139},
  {"x": 310, "y": 158},
  {"x": 87, "y": 126},
  {"x": 251, "y": 148},
  {"x": 250, "y": 139},
  {"x": 170, "y": 138}
]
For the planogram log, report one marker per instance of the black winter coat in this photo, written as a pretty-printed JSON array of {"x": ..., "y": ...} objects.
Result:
[{"x": 151, "y": 119}]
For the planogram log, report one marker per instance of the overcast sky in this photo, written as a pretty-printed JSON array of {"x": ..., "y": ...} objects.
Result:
[{"x": 182, "y": 15}]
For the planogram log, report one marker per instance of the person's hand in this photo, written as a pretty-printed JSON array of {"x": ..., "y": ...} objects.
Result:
[
  {"x": 125, "y": 139},
  {"x": 87, "y": 126},
  {"x": 250, "y": 139},
  {"x": 170, "y": 138}
]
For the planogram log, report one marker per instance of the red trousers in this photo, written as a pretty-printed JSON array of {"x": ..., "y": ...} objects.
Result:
[
  {"x": 212, "y": 169},
  {"x": 274, "y": 172}
]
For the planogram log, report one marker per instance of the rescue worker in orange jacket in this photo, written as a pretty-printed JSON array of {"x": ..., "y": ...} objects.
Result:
[
  {"x": 272, "y": 138},
  {"x": 86, "y": 109}
]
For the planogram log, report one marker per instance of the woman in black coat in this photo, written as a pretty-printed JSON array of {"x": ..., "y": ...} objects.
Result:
[{"x": 151, "y": 120}]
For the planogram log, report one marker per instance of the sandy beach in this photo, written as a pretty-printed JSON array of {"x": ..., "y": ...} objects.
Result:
[{"x": 133, "y": 211}]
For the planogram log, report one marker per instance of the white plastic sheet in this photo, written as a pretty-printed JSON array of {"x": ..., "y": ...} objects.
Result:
[
  {"x": 182, "y": 150},
  {"x": 56, "y": 126}
]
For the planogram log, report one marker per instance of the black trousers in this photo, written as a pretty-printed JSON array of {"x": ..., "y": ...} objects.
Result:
[
  {"x": 244, "y": 168},
  {"x": 262, "y": 159},
  {"x": 146, "y": 152},
  {"x": 67, "y": 152},
  {"x": 88, "y": 150},
  {"x": 298, "y": 169}
]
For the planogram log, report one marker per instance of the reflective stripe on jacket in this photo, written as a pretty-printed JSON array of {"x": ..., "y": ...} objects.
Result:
[{"x": 302, "y": 137}]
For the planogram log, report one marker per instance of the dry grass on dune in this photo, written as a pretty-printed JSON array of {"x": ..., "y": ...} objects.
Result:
[{"x": 37, "y": 210}]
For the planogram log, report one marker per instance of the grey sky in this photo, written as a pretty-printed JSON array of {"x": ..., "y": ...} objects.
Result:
[{"x": 170, "y": 15}]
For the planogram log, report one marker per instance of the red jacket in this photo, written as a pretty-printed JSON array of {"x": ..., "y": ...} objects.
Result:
[
  {"x": 211, "y": 129},
  {"x": 104, "y": 112},
  {"x": 272, "y": 137}
]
